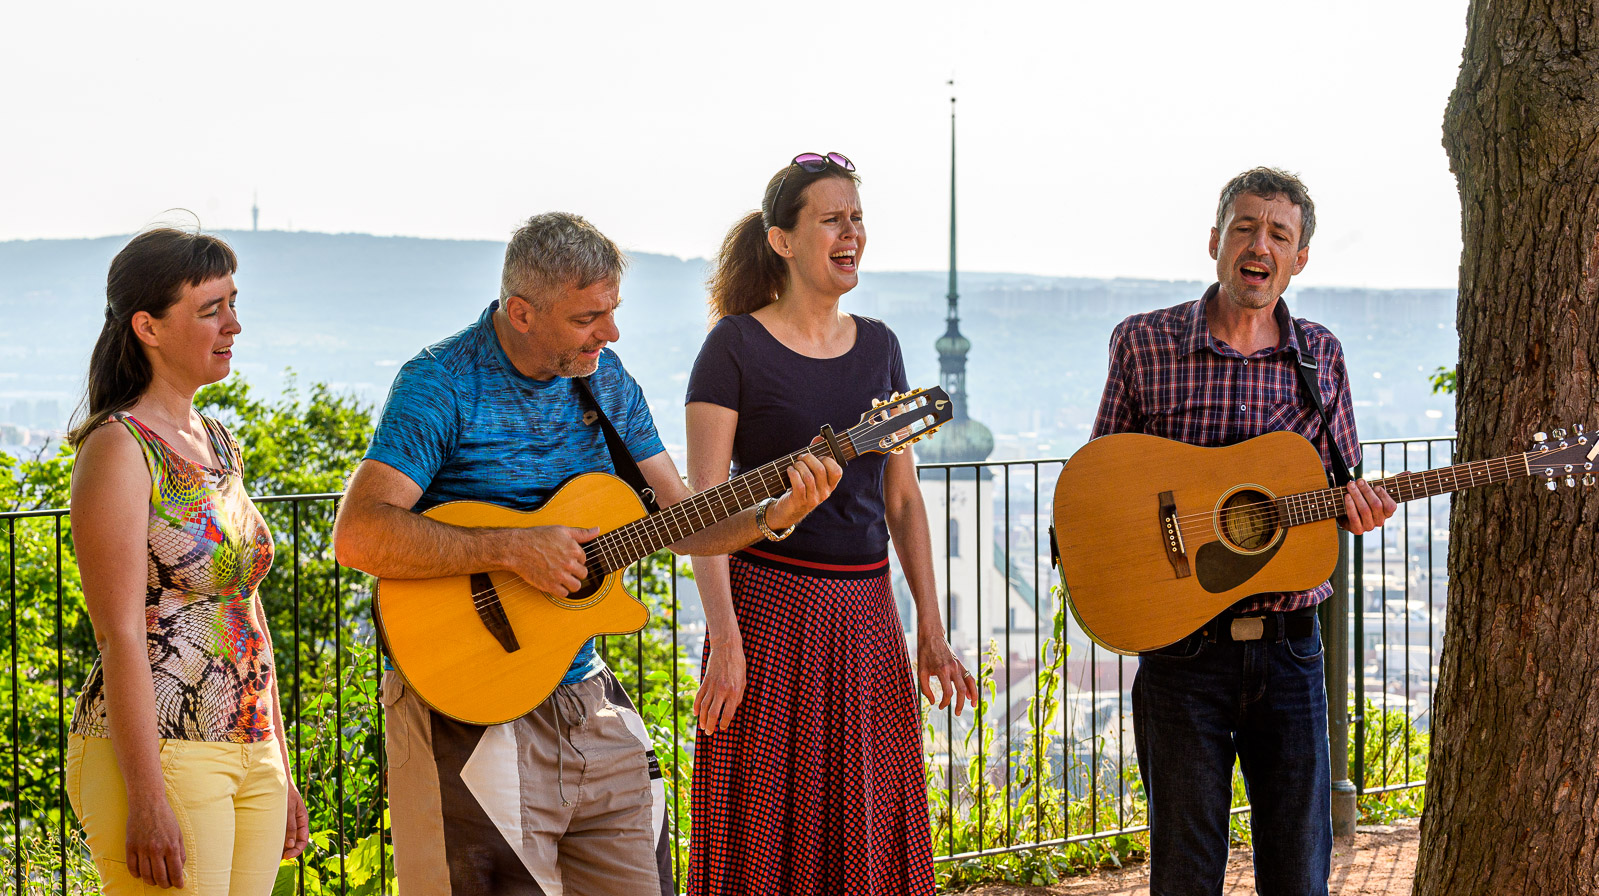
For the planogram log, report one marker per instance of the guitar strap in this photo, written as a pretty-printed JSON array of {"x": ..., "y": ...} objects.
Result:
[
  {"x": 626, "y": 466},
  {"x": 1307, "y": 377}
]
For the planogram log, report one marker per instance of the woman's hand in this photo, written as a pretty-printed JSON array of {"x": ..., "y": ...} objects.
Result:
[
  {"x": 722, "y": 687},
  {"x": 155, "y": 843},
  {"x": 936, "y": 661},
  {"x": 298, "y": 834}
]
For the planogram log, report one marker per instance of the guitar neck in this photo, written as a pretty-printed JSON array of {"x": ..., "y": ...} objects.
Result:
[
  {"x": 1326, "y": 504},
  {"x": 622, "y": 547}
]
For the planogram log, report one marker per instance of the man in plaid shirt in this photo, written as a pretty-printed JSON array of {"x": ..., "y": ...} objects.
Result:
[{"x": 1215, "y": 372}]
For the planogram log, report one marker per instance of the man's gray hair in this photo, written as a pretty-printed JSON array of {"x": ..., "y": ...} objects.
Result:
[
  {"x": 1269, "y": 183},
  {"x": 556, "y": 250}
]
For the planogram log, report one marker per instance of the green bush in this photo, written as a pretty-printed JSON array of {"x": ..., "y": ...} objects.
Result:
[
  {"x": 1042, "y": 805},
  {"x": 1395, "y": 754}
]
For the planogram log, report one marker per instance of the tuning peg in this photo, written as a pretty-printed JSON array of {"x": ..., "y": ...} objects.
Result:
[
  {"x": 1571, "y": 482},
  {"x": 1576, "y": 429},
  {"x": 1550, "y": 484},
  {"x": 1540, "y": 436},
  {"x": 1587, "y": 479},
  {"x": 1560, "y": 432}
]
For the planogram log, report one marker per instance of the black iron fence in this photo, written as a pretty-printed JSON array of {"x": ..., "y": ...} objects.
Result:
[{"x": 1044, "y": 762}]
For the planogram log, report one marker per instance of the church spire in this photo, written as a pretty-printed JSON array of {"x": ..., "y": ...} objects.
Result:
[
  {"x": 962, "y": 440},
  {"x": 954, "y": 295},
  {"x": 952, "y": 346}
]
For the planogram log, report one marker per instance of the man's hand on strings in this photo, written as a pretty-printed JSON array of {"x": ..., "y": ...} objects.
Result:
[
  {"x": 810, "y": 481},
  {"x": 1365, "y": 507},
  {"x": 550, "y": 558}
]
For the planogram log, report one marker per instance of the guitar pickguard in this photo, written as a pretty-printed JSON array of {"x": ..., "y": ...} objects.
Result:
[{"x": 1220, "y": 569}]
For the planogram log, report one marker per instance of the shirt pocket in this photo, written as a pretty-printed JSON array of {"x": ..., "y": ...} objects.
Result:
[{"x": 1290, "y": 416}]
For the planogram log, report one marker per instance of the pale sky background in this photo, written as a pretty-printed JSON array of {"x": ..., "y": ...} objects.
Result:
[{"x": 1094, "y": 137}]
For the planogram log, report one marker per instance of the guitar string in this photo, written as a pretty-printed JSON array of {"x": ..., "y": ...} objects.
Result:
[
  {"x": 481, "y": 599},
  {"x": 1312, "y": 497},
  {"x": 1317, "y": 502},
  {"x": 657, "y": 524},
  {"x": 1436, "y": 476},
  {"x": 1405, "y": 486}
]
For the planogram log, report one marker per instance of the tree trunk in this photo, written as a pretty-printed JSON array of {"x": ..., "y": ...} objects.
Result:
[{"x": 1513, "y": 780}]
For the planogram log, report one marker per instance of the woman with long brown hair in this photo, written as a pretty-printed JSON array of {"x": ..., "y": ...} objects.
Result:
[
  {"x": 176, "y": 765},
  {"x": 808, "y": 774}
]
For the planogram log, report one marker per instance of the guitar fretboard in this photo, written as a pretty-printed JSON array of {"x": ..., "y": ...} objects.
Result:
[
  {"x": 622, "y": 547},
  {"x": 1326, "y": 504}
]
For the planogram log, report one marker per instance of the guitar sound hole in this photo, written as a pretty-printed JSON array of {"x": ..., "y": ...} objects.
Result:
[
  {"x": 589, "y": 586},
  {"x": 1249, "y": 521},
  {"x": 588, "y": 592}
]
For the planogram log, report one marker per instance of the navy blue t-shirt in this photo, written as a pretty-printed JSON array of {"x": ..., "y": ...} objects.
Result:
[
  {"x": 465, "y": 425},
  {"x": 783, "y": 398}
]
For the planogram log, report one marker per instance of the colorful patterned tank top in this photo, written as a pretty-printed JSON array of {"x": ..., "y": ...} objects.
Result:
[{"x": 208, "y": 550}]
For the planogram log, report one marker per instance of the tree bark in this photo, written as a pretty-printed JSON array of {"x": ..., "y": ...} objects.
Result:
[{"x": 1513, "y": 779}]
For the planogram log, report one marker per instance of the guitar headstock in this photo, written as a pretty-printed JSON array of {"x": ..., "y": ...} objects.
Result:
[
  {"x": 1562, "y": 456},
  {"x": 891, "y": 425}
]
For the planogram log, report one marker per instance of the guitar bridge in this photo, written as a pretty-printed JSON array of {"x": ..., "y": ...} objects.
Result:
[
  {"x": 1172, "y": 536},
  {"x": 492, "y": 612}
]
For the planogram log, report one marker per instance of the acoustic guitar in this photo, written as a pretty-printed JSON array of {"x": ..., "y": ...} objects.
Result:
[
  {"x": 1155, "y": 538},
  {"x": 488, "y": 648}
]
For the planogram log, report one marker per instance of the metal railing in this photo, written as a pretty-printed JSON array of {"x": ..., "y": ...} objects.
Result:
[{"x": 1044, "y": 761}]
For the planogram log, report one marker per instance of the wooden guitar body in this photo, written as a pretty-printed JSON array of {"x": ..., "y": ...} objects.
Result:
[
  {"x": 1148, "y": 556},
  {"x": 459, "y": 659}
]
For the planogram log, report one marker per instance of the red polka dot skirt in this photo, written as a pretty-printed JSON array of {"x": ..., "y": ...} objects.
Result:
[{"x": 818, "y": 786}]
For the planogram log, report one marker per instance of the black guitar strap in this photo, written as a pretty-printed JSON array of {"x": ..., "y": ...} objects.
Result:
[
  {"x": 1307, "y": 377},
  {"x": 626, "y": 466}
]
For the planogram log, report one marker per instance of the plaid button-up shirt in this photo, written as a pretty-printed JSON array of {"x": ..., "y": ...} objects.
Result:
[{"x": 1170, "y": 377}]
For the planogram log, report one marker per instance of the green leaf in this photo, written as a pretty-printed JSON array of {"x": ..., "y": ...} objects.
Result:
[{"x": 287, "y": 880}]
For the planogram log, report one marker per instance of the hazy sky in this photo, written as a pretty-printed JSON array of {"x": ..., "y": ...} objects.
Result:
[{"x": 1093, "y": 136}]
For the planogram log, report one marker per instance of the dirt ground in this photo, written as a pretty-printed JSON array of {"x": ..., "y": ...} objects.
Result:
[{"x": 1382, "y": 863}]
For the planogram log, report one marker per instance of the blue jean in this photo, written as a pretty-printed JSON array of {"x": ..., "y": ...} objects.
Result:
[{"x": 1196, "y": 705}]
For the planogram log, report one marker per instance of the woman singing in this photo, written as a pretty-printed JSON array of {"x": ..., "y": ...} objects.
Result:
[
  {"x": 808, "y": 774},
  {"x": 175, "y": 765}
]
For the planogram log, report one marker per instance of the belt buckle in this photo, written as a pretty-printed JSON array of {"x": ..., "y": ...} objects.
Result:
[{"x": 1248, "y": 628}]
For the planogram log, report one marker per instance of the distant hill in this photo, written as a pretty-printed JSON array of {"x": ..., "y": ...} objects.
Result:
[{"x": 349, "y": 308}]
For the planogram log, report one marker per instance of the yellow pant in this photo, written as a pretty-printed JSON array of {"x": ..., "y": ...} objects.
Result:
[{"x": 231, "y": 801}]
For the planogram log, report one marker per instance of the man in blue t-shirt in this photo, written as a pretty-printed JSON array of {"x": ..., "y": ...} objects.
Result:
[{"x": 567, "y": 798}]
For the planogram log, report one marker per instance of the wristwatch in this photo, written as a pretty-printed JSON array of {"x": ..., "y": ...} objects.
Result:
[{"x": 760, "y": 522}]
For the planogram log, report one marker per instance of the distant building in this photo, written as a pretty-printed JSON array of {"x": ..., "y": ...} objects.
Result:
[{"x": 961, "y": 503}]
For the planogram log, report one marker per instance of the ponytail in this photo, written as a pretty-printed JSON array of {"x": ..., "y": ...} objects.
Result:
[{"x": 749, "y": 274}]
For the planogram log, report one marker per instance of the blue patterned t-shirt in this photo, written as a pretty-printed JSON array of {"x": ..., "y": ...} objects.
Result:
[{"x": 465, "y": 425}]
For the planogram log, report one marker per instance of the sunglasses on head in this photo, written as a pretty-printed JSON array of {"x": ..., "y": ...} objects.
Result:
[{"x": 812, "y": 162}]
